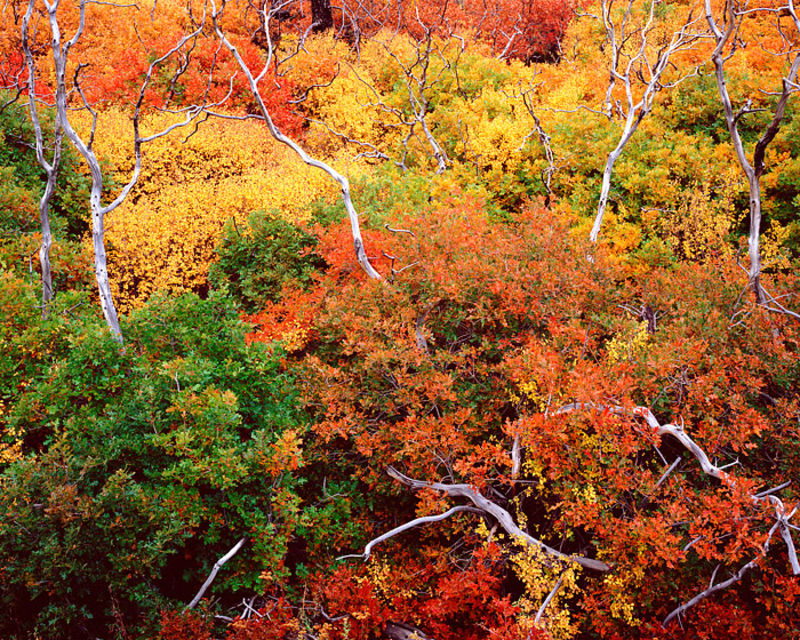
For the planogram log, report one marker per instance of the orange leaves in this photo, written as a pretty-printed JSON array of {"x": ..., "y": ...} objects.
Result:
[
  {"x": 119, "y": 43},
  {"x": 289, "y": 321}
]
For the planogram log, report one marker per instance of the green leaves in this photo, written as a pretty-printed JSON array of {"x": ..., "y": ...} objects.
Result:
[
  {"x": 256, "y": 262},
  {"x": 151, "y": 464}
]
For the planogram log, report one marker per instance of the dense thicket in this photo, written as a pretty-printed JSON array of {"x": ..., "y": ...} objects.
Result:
[{"x": 615, "y": 423}]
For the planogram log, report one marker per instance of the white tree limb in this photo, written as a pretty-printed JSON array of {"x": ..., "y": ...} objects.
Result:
[
  {"x": 60, "y": 53},
  {"x": 405, "y": 527},
  {"x": 276, "y": 133},
  {"x": 733, "y": 20},
  {"x": 498, "y": 513},
  {"x": 713, "y": 588},
  {"x": 50, "y": 167},
  {"x": 638, "y": 66},
  {"x": 214, "y": 571},
  {"x": 547, "y": 600}
]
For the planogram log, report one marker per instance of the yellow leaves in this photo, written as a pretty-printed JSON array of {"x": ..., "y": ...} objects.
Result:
[
  {"x": 529, "y": 394},
  {"x": 295, "y": 339},
  {"x": 774, "y": 242},
  {"x": 535, "y": 473},
  {"x": 349, "y": 105},
  {"x": 276, "y": 458},
  {"x": 563, "y": 91},
  {"x": 10, "y": 451},
  {"x": 288, "y": 451},
  {"x": 163, "y": 236},
  {"x": 494, "y": 131},
  {"x": 541, "y": 575},
  {"x": 618, "y": 236},
  {"x": 629, "y": 345},
  {"x": 623, "y": 587},
  {"x": 588, "y": 494},
  {"x": 699, "y": 227},
  {"x": 379, "y": 575}
]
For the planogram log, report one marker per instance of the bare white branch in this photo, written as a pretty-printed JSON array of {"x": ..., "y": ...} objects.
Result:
[
  {"x": 498, "y": 513},
  {"x": 547, "y": 600},
  {"x": 214, "y": 571},
  {"x": 728, "y": 38},
  {"x": 344, "y": 184},
  {"x": 405, "y": 527},
  {"x": 619, "y": 34}
]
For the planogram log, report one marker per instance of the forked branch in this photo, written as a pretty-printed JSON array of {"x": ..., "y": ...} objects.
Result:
[
  {"x": 502, "y": 516},
  {"x": 266, "y": 14},
  {"x": 646, "y": 65},
  {"x": 781, "y": 517}
]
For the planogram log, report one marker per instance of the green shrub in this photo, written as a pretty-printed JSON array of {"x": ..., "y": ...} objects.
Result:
[
  {"x": 257, "y": 262},
  {"x": 141, "y": 467}
]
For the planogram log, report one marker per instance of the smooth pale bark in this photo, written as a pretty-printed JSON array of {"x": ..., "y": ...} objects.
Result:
[
  {"x": 631, "y": 124},
  {"x": 60, "y": 56},
  {"x": 405, "y": 527},
  {"x": 754, "y": 171},
  {"x": 502, "y": 516},
  {"x": 98, "y": 210},
  {"x": 547, "y": 600},
  {"x": 402, "y": 631},
  {"x": 638, "y": 65},
  {"x": 50, "y": 167},
  {"x": 214, "y": 571},
  {"x": 344, "y": 183}
]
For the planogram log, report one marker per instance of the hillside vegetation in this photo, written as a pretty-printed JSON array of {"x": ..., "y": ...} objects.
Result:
[{"x": 384, "y": 318}]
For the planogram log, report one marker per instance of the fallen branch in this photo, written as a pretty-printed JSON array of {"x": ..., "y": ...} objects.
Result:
[
  {"x": 502, "y": 516},
  {"x": 405, "y": 527},
  {"x": 217, "y": 566}
]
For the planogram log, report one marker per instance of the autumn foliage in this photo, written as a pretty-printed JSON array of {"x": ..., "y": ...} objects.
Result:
[{"x": 628, "y": 411}]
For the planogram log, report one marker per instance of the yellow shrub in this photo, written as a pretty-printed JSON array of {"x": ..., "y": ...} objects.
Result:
[
  {"x": 698, "y": 227},
  {"x": 163, "y": 235}
]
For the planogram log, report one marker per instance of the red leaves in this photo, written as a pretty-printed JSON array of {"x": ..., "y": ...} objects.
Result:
[
  {"x": 187, "y": 625},
  {"x": 275, "y": 621},
  {"x": 289, "y": 321},
  {"x": 524, "y": 29}
]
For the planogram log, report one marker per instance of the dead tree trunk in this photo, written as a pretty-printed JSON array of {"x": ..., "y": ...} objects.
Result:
[
  {"x": 727, "y": 39},
  {"x": 60, "y": 57},
  {"x": 321, "y": 15},
  {"x": 344, "y": 183},
  {"x": 50, "y": 167}
]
